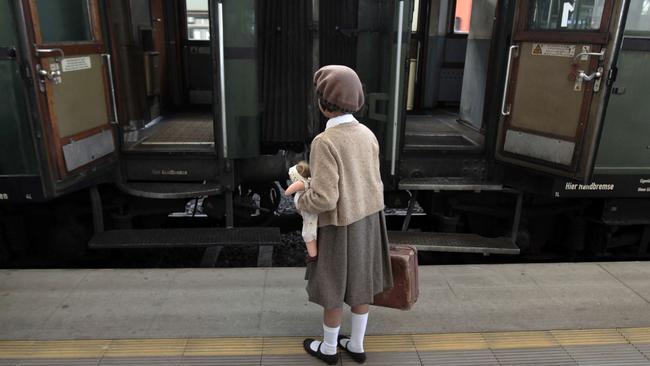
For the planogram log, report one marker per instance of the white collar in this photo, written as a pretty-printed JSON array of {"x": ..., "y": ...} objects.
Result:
[{"x": 344, "y": 118}]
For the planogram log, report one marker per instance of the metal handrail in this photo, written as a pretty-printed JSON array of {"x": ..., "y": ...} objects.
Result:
[
  {"x": 222, "y": 83},
  {"x": 505, "y": 88},
  {"x": 116, "y": 120},
  {"x": 398, "y": 69}
]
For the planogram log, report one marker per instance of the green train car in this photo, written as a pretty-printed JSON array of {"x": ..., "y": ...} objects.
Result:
[{"x": 518, "y": 126}]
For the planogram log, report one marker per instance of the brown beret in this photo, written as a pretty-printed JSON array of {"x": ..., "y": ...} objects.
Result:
[{"x": 339, "y": 86}]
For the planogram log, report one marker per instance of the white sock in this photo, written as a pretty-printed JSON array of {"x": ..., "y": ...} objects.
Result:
[
  {"x": 330, "y": 337},
  {"x": 359, "y": 322}
]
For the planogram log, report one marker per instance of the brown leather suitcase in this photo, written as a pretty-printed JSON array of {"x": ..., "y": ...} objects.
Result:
[{"x": 405, "y": 290}]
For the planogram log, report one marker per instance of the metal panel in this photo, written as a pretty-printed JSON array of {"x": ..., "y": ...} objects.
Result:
[
  {"x": 77, "y": 111},
  {"x": 625, "y": 142},
  {"x": 539, "y": 147},
  {"x": 81, "y": 152},
  {"x": 545, "y": 99},
  {"x": 240, "y": 80},
  {"x": 166, "y": 167},
  {"x": 18, "y": 156}
]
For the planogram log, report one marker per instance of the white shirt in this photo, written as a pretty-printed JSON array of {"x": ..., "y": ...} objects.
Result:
[{"x": 344, "y": 118}]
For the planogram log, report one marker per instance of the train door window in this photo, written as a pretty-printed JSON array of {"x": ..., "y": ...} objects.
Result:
[
  {"x": 64, "y": 21},
  {"x": 638, "y": 19},
  {"x": 198, "y": 20},
  {"x": 565, "y": 15},
  {"x": 461, "y": 16},
  {"x": 415, "y": 54}
]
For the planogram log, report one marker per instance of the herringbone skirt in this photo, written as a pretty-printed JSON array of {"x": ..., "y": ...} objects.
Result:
[{"x": 353, "y": 263}]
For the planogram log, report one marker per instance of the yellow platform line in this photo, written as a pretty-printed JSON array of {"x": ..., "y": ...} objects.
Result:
[{"x": 258, "y": 346}]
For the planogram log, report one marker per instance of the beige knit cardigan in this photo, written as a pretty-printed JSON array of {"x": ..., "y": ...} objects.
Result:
[{"x": 346, "y": 183}]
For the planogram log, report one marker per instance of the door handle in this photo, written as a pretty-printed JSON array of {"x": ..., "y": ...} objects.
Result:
[
  {"x": 600, "y": 55},
  {"x": 39, "y": 51},
  {"x": 582, "y": 75},
  {"x": 54, "y": 74},
  {"x": 506, "y": 111}
]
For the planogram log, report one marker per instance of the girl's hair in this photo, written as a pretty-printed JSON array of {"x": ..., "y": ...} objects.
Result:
[
  {"x": 303, "y": 169},
  {"x": 330, "y": 107}
]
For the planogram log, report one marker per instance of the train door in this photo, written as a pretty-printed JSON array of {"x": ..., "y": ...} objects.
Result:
[
  {"x": 383, "y": 32},
  {"x": 560, "y": 66},
  {"x": 72, "y": 76}
]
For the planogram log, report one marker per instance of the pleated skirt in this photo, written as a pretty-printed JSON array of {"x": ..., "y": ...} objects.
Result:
[{"x": 353, "y": 263}]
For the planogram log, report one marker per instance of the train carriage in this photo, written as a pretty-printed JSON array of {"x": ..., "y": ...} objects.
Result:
[{"x": 505, "y": 120}]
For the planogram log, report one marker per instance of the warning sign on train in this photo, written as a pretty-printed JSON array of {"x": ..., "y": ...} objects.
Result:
[{"x": 557, "y": 50}]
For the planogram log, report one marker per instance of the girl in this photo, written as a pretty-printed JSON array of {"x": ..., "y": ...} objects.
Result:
[{"x": 346, "y": 192}]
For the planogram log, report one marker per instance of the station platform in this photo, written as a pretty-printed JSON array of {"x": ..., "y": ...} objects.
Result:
[{"x": 559, "y": 314}]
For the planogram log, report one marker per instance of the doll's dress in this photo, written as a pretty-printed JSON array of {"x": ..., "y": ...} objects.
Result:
[{"x": 309, "y": 220}]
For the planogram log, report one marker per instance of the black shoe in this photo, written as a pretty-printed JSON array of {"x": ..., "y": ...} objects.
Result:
[
  {"x": 360, "y": 357},
  {"x": 329, "y": 359}
]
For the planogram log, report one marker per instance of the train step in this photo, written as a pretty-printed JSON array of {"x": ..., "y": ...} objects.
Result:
[
  {"x": 438, "y": 184},
  {"x": 171, "y": 190},
  {"x": 211, "y": 238},
  {"x": 454, "y": 242}
]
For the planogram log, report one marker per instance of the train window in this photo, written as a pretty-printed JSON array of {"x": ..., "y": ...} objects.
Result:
[
  {"x": 565, "y": 15},
  {"x": 638, "y": 18},
  {"x": 462, "y": 13},
  {"x": 64, "y": 21},
  {"x": 198, "y": 20},
  {"x": 416, "y": 16}
]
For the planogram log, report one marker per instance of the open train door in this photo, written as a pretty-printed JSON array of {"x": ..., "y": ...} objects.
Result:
[
  {"x": 383, "y": 31},
  {"x": 71, "y": 74},
  {"x": 560, "y": 69}
]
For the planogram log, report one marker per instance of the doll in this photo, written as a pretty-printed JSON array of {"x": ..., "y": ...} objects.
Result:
[{"x": 300, "y": 176}]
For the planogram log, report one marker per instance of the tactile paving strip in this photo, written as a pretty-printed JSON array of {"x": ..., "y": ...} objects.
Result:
[
  {"x": 459, "y": 358},
  {"x": 562, "y": 347},
  {"x": 553, "y": 356}
]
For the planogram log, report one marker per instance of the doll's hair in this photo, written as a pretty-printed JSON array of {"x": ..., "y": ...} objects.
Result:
[{"x": 303, "y": 169}]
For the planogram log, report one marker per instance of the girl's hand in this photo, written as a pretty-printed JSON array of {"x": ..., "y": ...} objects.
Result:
[{"x": 294, "y": 187}]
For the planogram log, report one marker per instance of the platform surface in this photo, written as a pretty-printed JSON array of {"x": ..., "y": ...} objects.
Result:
[{"x": 260, "y": 302}]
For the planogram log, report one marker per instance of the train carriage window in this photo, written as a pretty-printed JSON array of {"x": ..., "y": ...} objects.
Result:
[
  {"x": 638, "y": 19},
  {"x": 64, "y": 21},
  {"x": 564, "y": 15},
  {"x": 461, "y": 16},
  {"x": 198, "y": 20}
]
